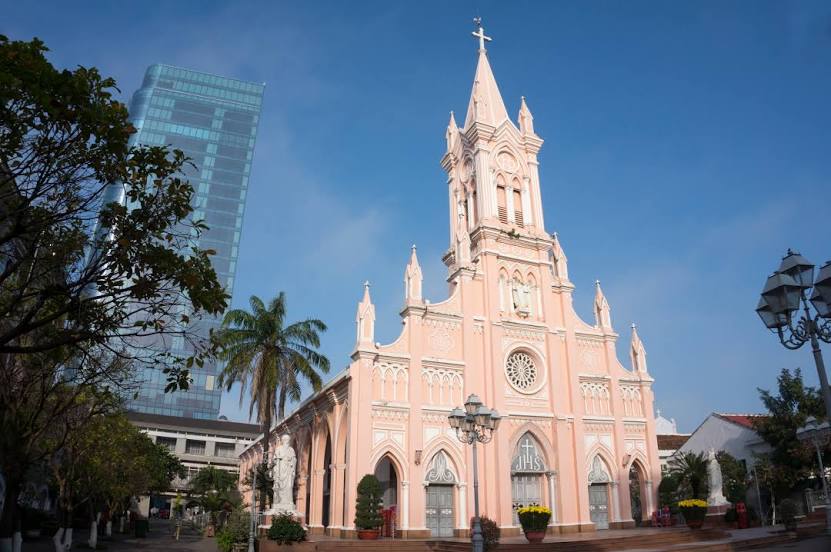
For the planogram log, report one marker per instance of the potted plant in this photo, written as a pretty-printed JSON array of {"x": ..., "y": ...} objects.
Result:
[
  {"x": 787, "y": 512},
  {"x": 285, "y": 530},
  {"x": 534, "y": 521},
  {"x": 367, "y": 517},
  {"x": 694, "y": 511},
  {"x": 490, "y": 531}
]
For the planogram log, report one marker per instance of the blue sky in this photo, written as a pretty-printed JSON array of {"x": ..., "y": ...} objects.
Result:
[{"x": 688, "y": 144}]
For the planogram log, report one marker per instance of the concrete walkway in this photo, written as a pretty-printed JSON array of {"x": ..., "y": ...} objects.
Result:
[{"x": 159, "y": 539}]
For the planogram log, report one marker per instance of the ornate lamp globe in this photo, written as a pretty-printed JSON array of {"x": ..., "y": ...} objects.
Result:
[
  {"x": 472, "y": 404},
  {"x": 769, "y": 319},
  {"x": 799, "y": 268},
  {"x": 782, "y": 293}
]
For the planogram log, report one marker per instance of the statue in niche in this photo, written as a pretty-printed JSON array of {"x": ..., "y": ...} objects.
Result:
[
  {"x": 522, "y": 297},
  {"x": 285, "y": 465}
]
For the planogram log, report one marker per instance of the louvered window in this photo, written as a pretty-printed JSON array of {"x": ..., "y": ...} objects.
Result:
[
  {"x": 501, "y": 207},
  {"x": 518, "y": 208}
]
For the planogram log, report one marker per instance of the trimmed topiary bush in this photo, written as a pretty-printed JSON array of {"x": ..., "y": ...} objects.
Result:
[
  {"x": 286, "y": 530},
  {"x": 368, "y": 503}
]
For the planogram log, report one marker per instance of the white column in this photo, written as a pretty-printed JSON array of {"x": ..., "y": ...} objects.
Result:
[
  {"x": 509, "y": 203},
  {"x": 405, "y": 505},
  {"x": 615, "y": 500},
  {"x": 649, "y": 506},
  {"x": 462, "y": 505},
  {"x": 552, "y": 494},
  {"x": 470, "y": 211}
]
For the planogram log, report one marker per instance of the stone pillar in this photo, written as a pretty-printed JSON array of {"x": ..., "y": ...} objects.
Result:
[
  {"x": 649, "y": 506},
  {"x": 336, "y": 494},
  {"x": 463, "y": 521},
  {"x": 509, "y": 204},
  {"x": 316, "y": 499},
  {"x": 300, "y": 500},
  {"x": 552, "y": 494},
  {"x": 615, "y": 500},
  {"x": 405, "y": 505}
]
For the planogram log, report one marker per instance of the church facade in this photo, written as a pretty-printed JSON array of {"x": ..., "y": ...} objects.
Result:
[{"x": 577, "y": 433}]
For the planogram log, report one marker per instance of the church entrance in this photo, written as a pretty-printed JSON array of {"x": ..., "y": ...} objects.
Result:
[
  {"x": 440, "y": 480},
  {"x": 599, "y": 480},
  {"x": 527, "y": 470},
  {"x": 635, "y": 494},
  {"x": 440, "y": 516},
  {"x": 385, "y": 472},
  {"x": 599, "y": 505}
]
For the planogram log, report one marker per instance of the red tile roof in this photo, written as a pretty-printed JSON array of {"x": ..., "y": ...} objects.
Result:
[
  {"x": 671, "y": 442},
  {"x": 744, "y": 420}
]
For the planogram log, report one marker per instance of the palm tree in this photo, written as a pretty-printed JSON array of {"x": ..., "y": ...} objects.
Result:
[
  {"x": 260, "y": 347},
  {"x": 691, "y": 470}
]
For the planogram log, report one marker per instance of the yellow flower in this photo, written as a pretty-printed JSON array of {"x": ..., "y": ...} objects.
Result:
[
  {"x": 692, "y": 503},
  {"x": 533, "y": 510}
]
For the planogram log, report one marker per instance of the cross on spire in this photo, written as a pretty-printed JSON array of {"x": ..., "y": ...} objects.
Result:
[{"x": 480, "y": 34}]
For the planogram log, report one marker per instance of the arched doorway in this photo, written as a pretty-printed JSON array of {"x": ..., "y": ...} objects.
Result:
[
  {"x": 440, "y": 481},
  {"x": 599, "y": 480},
  {"x": 327, "y": 482},
  {"x": 527, "y": 471},
  {"x": 635, "y": 494},
  {"x": 387, "y": 476}
]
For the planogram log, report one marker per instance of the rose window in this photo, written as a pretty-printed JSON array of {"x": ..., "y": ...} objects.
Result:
[{"x": 521, "y": 371}]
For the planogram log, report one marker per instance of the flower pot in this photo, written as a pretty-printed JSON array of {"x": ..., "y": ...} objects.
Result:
[
  {"x": 535, "y": 537},
  {"x": 368, "y": 534},
  {"x": 695, "y": 523}
]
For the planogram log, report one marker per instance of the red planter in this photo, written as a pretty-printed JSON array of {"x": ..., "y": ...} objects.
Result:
[
  {"x": 368, "y": 534},
  {"x": 695, "y": 523},
  {"x": 535, "y": 537}
]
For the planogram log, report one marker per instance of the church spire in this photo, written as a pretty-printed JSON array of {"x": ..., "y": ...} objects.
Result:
[
  {"x": 637, "y": 352},
  {"x": 486, "y": 105},
  {"x": 602, "y": 311},
  {"x": 525, "y": 119},
  {"x": 452, "y": 132},
  {"x": 413, "y": 280},
  {"x": 365, "y": 321}
]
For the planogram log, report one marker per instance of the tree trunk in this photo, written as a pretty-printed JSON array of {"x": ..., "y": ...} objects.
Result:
[
  {"x": 17, "y": 541},
  {"x": 9, "y": 519},
  {"x": 108, "y": 530},
  {"x": 281, "y": 403},
  {"x": 266, "y": 440},
  {"x": 93, "y": 534}
]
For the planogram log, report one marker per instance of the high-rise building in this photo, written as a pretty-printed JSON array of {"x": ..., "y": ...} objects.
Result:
[{"x": 213, "y": 120}]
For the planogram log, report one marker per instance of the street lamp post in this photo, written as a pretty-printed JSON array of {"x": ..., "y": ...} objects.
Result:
[
  {"x": 253, "y": 532},
  {"x": 785, "y": 292},
  {"x": 475, "y": 424},
  {"x": 818, "y": 434}
]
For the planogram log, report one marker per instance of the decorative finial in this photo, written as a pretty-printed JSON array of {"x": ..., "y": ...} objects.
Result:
[
  {"x": 597, "y": 283},
  {"x": 480, "y": 34},
  {"x": 366, "y": 284},
  {"x": 414, "y": 247},
  {"x": 634, "y": 326}
]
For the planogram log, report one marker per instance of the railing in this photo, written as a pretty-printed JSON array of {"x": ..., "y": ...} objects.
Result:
[{"x": 815, "y": 499}]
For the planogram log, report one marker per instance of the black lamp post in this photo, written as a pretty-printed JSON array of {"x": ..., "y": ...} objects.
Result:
[
  {"x": 475, "y": 424},
  {"x": 785, "y": 292}
]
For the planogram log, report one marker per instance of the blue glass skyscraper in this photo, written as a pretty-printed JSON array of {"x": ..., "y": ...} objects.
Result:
[{"x": 213, "y": 120}]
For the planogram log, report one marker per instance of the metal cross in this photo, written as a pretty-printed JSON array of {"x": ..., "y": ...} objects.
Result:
[
  {"x": 527, "y": 447},
  {"x": 481, "y": 33}
]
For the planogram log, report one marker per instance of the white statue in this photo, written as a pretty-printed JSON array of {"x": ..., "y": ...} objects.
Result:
[
  {"x": 716, "y": 497},
  {"x": 285, "y": 463},
  {"x": 521, "y": 296}
]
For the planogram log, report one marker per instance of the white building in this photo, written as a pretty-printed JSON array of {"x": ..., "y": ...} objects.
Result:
[
  {"x": 669, "y": 440},
  {"x": 732, "y": 433}
]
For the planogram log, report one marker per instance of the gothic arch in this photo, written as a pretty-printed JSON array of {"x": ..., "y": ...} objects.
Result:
[
  {"x": 444, "y": 443},
  {"x": 539, "y": 436},
  {"x": 605, "y": 456},
  {"x": 451, "y": 465},
  {"x": 396, "y": 456}
]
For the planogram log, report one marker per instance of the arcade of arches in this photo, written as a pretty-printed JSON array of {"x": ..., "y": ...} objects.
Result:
[{"x": 578, "y": 433}]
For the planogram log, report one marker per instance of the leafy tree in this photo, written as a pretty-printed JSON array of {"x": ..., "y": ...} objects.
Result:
[
  {"x": 733, "y": 477},
  {"x": 690, "y": 469},
  {"x": 98, "y": 253},
  {"x": 791, "y": 459},
  {"x": 265, "y": 483},
  {"x": 216, "y": 489},
  {"x": 262, "y": 351},
  {"x": 668, "y": 491}
]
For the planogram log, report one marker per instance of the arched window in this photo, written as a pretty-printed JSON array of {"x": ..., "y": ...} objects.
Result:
[
  {"x": 501, "y": 200},
  {"x": 518, "y": 208}
]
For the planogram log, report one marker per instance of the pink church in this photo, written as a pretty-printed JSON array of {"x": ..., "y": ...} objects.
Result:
[{"x": 577, "y": 434}]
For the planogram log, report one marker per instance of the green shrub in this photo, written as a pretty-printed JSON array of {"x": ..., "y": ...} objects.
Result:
[
  {"x": 236, "y": 530},
  {"x": 286, "y": 530},
  {"x": 731, "y": 516},
  {"x": 368, "y": 503},
  {"x": 490, "y": 531}
]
